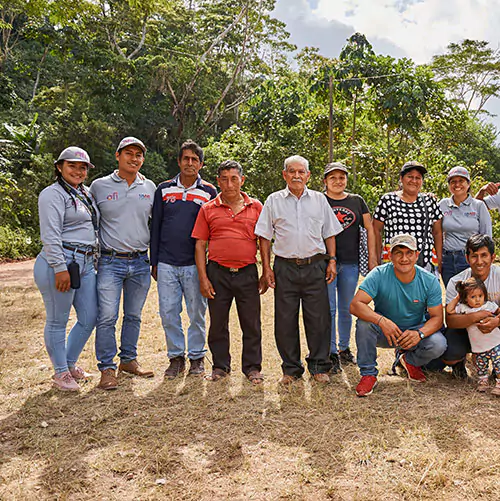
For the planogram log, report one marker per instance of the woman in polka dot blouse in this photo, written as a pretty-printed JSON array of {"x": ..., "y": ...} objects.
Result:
[{"x": 409, "y": 211}]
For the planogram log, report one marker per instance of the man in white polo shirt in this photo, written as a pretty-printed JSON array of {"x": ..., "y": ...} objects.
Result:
[
  {"x": 303, "y": 227},
  {"x": 125, "y": 200}
]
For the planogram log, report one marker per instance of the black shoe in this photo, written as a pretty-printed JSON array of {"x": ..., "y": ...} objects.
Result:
[
  {"x": 336, "y": 368},
  {"x": 459, "y": 371},
  {"x": 346, "y": 357},
  {"x": 197, "y": 367},
  {"x": 176, "y": 367}
]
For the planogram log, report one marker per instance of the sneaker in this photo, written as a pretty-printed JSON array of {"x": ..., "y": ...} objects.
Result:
[
  {"x": 459, "y": 371},
  {"x": 64, "y": 381},
  {"x": 366, "y": 386},
  {"x": 496, "y": 390},
  {"x": 346, "y": 357},
  {"x": 414, "y": 373},
  {"x": 78, "y": 373},
  {"x": 197, "y": 367},
  {"x": 336, "y": 368},
  {"x": 482, "y": 384},
  {"x": 108, "y": 380},
  {"x": 176, "y": 367}
]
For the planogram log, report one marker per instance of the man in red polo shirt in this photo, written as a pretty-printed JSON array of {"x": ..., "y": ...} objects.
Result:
[{"x": 227, "y": 224}]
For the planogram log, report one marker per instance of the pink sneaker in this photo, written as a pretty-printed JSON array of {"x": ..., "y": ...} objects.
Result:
[
  {"x": 78, "y": 373},
  {"x": 64, "y": 381},
  {"x": 414, "y": 373}
]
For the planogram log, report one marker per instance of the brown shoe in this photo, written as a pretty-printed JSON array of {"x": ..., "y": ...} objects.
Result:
[
  {"x": 108, "y": 380},
  {"x": 133, "y": 367},
  {"x": 321, "y": 378},
  {"x": 287, "y": 380},
  {"x": 197, "y": 367},
  {"x": 176, "y": 367}
]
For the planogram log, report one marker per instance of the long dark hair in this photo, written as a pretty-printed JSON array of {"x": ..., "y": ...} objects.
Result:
[{"x": 463, "y": 288}]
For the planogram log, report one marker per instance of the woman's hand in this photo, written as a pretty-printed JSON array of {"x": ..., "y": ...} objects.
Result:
[{"x": 63, "y": 282}]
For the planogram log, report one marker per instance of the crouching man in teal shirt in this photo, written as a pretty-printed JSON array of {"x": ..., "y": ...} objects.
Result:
[{"x": 402, "y": 294}]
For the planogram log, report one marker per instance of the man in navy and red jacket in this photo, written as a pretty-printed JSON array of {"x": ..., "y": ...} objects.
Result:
[{"x": 175, "y": 208}]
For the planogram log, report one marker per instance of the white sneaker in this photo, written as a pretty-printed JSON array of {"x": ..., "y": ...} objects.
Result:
[{"x": 64, "y": 381}]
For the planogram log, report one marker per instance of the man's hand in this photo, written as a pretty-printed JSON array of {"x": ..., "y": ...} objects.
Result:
[
  {"x": 154, "y": 272},
  {"x": 409, "y": 339},
  {"x": 391, "y": 331},
  {"x": 263, "y": 285},
  {"x": 206, "y": 288},
  {"x": 488, "y": 324},
  {"x": 63, "y": 281},
  {"x": 268, "y": 276},
  {"x": 331, "y": 271},
  {"x": 488, "y": 189}
]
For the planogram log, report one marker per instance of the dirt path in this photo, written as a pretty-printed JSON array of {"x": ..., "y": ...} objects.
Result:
[{"x": 16, "y": 274}]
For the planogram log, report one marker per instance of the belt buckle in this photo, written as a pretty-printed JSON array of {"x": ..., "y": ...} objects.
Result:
[{"x": 233, "y": 270}]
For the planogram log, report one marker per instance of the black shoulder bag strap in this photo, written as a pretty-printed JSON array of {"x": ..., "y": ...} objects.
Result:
[{"x": 84, "y": 198}]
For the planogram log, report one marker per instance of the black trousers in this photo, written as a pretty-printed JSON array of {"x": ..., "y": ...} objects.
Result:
[
  {"x": 307, "y": 285},
  {"x": 244, "y": 288},
  {"x": 458, "y": 344}
]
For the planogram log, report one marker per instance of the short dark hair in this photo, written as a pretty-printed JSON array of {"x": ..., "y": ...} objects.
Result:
[
  {"x": 192, "y": 146},
  {"x": 463, "y": 288},
  {"x": 228, "y": 165},
  {"x": 475, "y": 242}
]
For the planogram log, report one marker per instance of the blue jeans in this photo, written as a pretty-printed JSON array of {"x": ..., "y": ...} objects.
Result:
[
  {"x": 173, "y": 283},
  {"x": 369, "y": 336},
  {"x": 115, "y": 274},
  {"x": 453, "y": 263},
  {"x": 64, "y": 353},
  {"x": 344, "y": 286}
]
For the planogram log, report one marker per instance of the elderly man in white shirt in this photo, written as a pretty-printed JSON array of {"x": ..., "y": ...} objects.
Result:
[{"x": 303, "y": 227}]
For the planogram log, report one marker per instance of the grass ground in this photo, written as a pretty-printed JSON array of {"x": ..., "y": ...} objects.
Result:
[{"x": 192, "y": 439}]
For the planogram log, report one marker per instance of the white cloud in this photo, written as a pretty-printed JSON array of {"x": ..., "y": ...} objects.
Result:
[{"x": 421, "y": 28}]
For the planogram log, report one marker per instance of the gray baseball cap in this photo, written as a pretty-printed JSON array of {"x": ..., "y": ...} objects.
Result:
[
  {"x": 458, "y": 171},
  {"x": 335, "y": 166},
  {"x": 404, "y": 240},
  {"x": 75, "y": 154},
  {"x": 131, "y": 141}
]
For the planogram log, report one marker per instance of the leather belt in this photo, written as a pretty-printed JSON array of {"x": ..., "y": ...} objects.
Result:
[
  {"x": 455, "y": 253},
  {"x": 304, "y": 261},
  {"x": 123, "y": 255},
  {"x": 85, "y": 250},
  {"x": 230, "y": 270}
]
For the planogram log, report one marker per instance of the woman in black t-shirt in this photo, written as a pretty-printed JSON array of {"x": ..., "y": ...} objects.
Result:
[{"x": 352, "y": 212}]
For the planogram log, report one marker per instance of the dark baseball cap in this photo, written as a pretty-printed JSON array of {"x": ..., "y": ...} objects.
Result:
[
  {"x": 413, "y": 164},
  {"x": 335, "y": 166}
]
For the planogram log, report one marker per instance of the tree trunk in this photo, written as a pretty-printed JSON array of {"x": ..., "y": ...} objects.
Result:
[
  {"x": 387, "y": 159},
  {"x": 37, "y": 79},
  {"x": 330, "y": 121},
  {"x": 353, "y": 138}
]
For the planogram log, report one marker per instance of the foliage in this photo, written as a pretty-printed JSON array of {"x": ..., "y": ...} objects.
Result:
[{"x": 88, "y": 73}]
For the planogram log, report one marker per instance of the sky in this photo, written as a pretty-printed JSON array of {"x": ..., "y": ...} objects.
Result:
[{"x": 417, "y": 29}]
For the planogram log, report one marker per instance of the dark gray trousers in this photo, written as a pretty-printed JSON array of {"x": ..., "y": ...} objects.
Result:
[{"x": 307, "y": 285}]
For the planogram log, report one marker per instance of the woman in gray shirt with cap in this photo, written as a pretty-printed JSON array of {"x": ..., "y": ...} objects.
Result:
[
  {"x": 463, "y": 216},
  {"x": 64, "y": 269}
]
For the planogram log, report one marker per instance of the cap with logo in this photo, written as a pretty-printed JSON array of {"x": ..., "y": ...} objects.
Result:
[
  {"x": 131, "y": 141},
  {"x": 75, "y": 154},
  {"x": 404, "y": 240},
  {"x": 335, "y": 166},
  {"x": 413, "y": 164},
  {"x": 458, "y": 171}
]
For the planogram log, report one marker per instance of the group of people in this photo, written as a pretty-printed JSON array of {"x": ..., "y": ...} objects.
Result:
[{"x": 201, "y": 247}]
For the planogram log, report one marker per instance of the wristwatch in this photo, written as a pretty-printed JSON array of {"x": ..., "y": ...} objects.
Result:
[
  {"x": 332, "y": 258},
  {"x": 421, "y": 334}
]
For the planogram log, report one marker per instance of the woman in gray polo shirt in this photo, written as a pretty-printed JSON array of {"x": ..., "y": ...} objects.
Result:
[
  {"x": 463, "y": 216},
  {"x": 64, "y": 269}
]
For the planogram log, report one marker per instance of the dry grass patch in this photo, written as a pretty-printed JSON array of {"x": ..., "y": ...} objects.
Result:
[{"x": 193, "y": 439}]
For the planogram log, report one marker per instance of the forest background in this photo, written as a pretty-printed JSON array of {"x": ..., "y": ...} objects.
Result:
[{"x": 223, "y": 72}]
